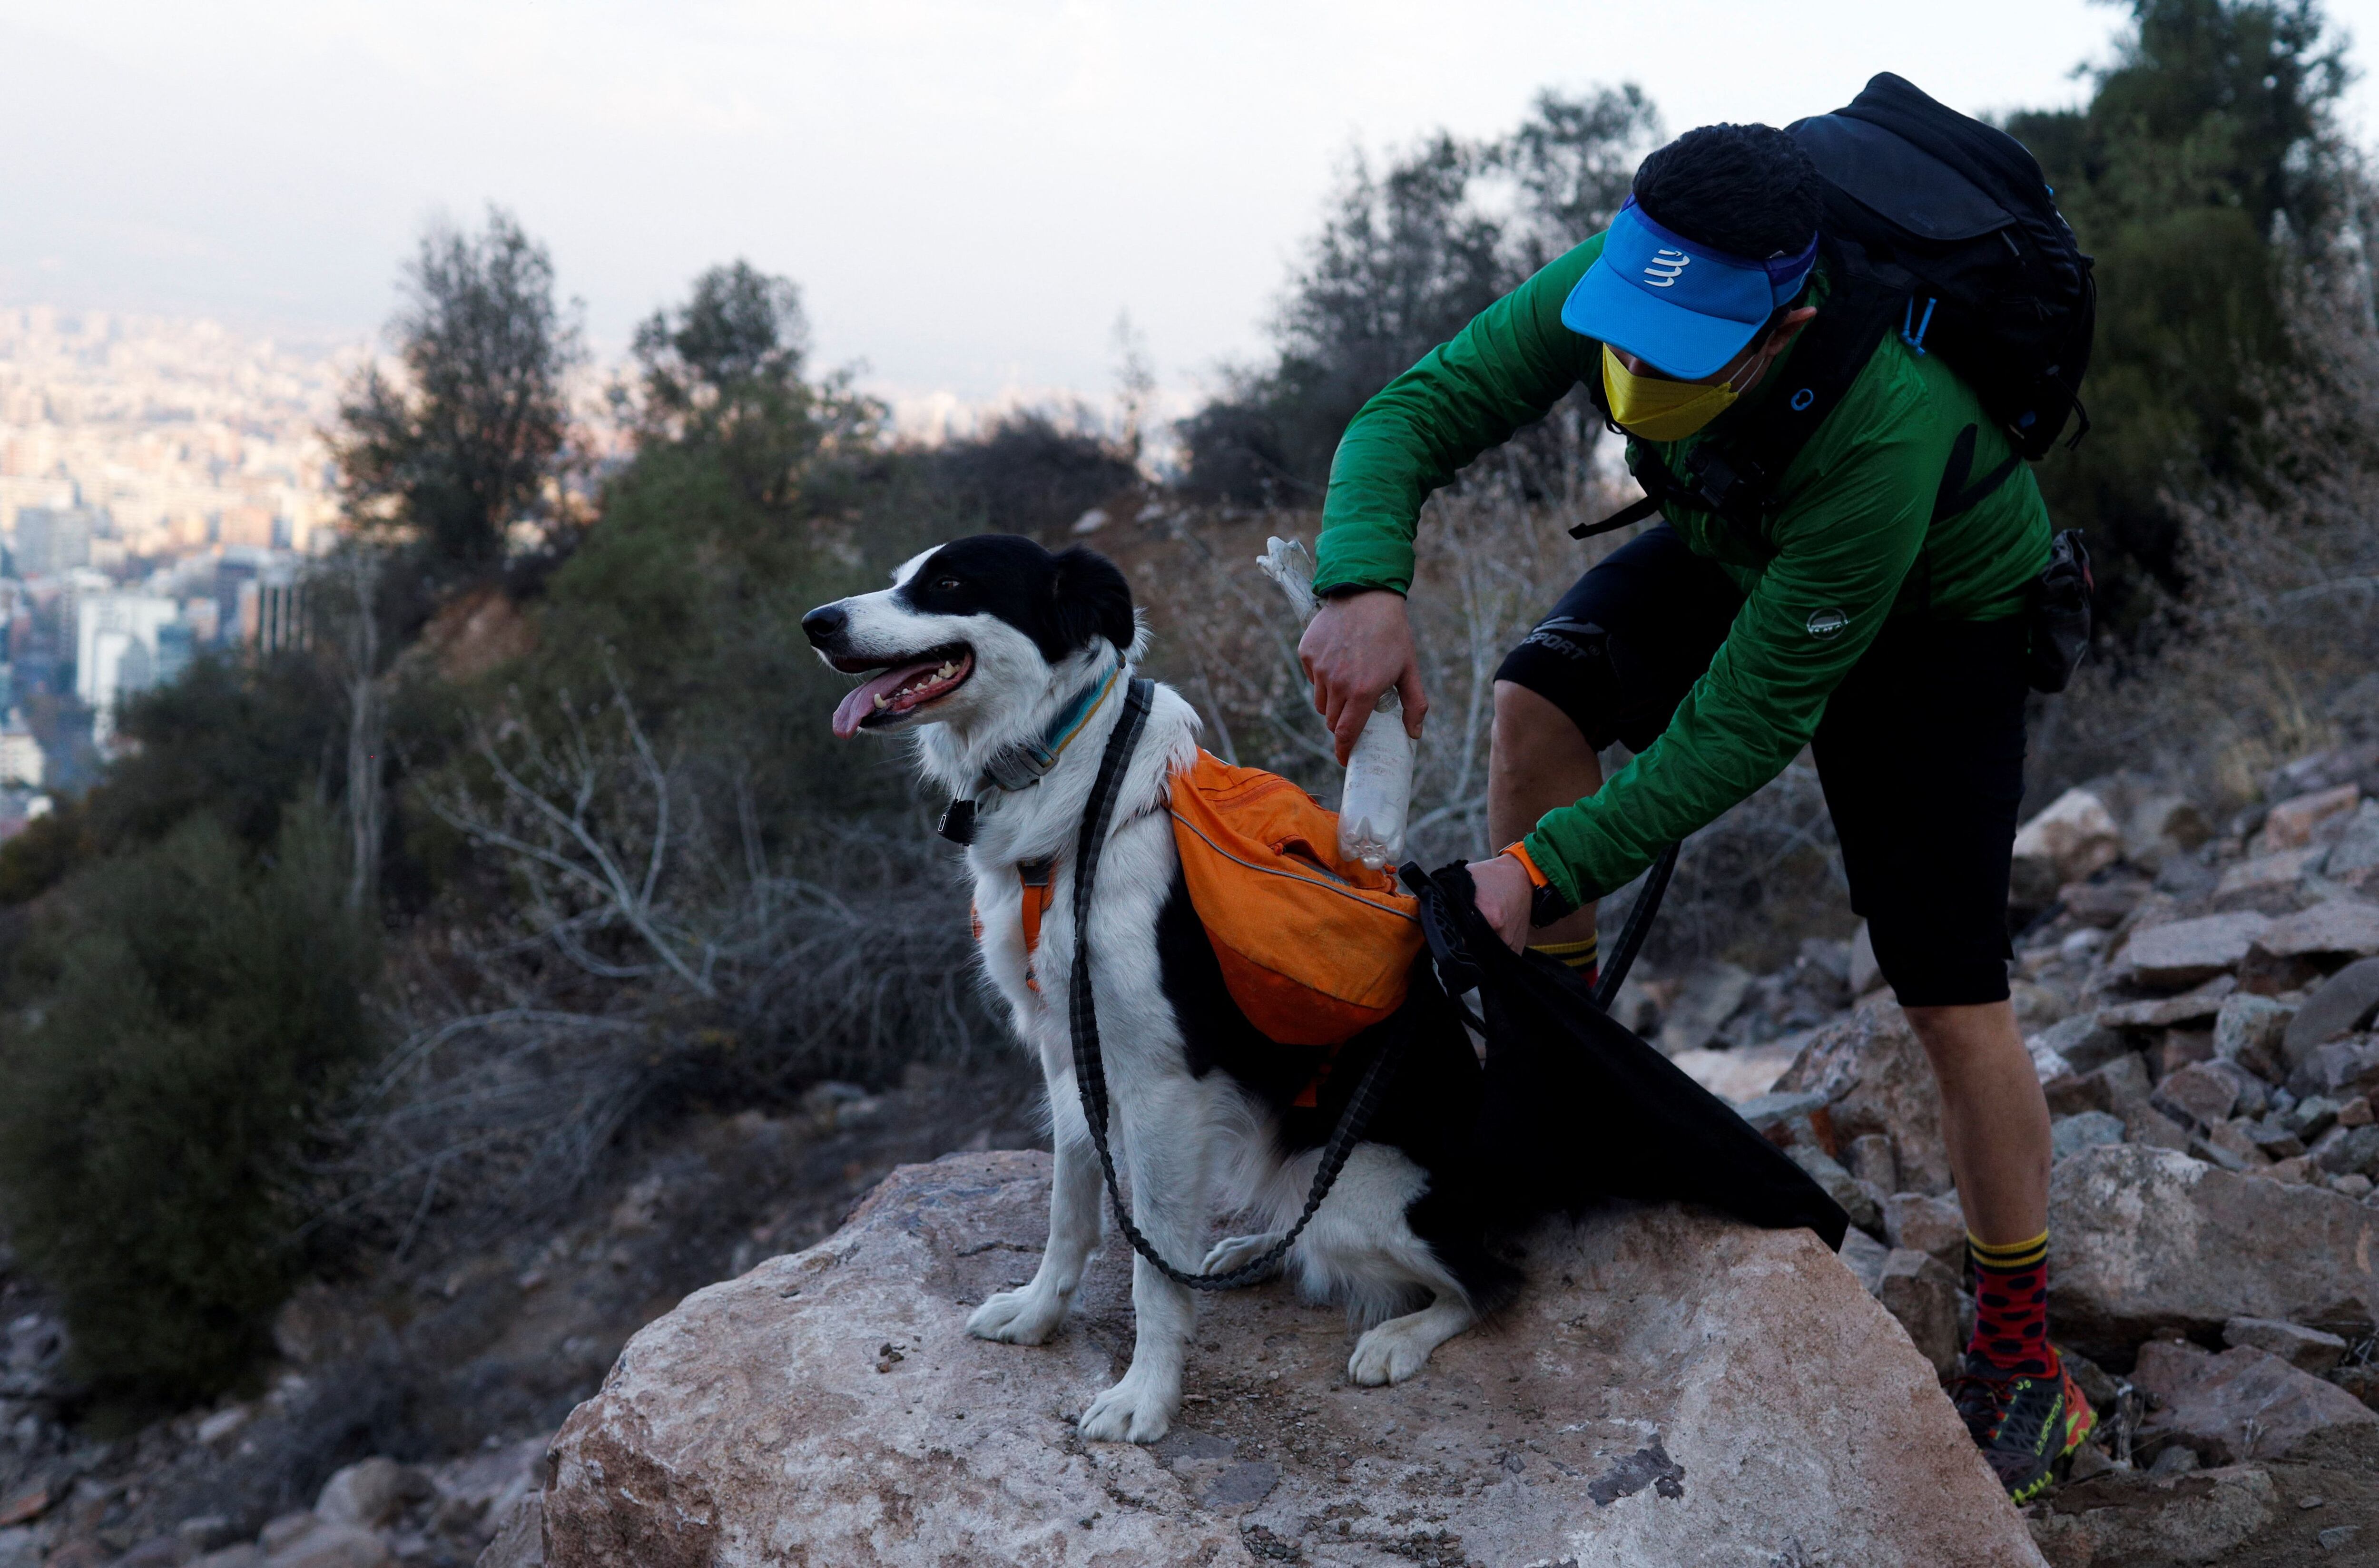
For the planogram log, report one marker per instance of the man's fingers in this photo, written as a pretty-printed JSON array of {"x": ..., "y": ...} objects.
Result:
[{"x": 1415, "y": 700}]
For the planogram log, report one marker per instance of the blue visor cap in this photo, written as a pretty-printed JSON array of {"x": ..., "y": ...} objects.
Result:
[{"x": 1683, "y": 307}]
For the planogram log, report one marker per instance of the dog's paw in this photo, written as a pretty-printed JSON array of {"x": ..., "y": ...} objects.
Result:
[
  {"x": 1393, "y": 1352},
  {"x": 1017, "y": 1317},
  {"x": 1135, "y": 1410},
  {"x": 1236, "y": 1251}
]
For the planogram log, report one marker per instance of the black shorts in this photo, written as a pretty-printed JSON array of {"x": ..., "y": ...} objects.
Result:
[{"x": 1920, "y": 750}]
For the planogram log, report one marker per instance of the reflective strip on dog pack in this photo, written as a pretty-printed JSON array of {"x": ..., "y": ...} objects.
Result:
[{"x": 1313, "y": 949}]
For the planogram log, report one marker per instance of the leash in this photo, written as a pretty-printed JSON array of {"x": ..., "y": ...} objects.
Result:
[{"x": 1090, "y": 1069}]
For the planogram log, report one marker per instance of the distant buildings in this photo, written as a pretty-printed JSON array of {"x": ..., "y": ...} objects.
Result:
[
  {"x": 50, "y": 539},
  {"x": 22, "y": 766}
]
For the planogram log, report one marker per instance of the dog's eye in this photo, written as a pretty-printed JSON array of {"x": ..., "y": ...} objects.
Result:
[{"x": 945, "y": 584}]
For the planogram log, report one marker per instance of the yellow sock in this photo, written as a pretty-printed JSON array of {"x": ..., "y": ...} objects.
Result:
[{"x": 1580, "y": 954}]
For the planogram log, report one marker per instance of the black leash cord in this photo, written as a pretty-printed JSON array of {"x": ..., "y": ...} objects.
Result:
[
  {"x": 1083, "y": 1018},
  {"x": 1639, "y": 921}
]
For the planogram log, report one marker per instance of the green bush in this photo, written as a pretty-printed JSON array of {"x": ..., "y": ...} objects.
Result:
[{"x": 198, "y": 1004}]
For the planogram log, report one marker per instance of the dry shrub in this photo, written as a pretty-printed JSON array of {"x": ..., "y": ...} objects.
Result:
[{"x": 2273, "y": 654}]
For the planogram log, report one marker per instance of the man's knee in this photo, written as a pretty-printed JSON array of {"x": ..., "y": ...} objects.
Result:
[{"x": 1530, "y": 728}]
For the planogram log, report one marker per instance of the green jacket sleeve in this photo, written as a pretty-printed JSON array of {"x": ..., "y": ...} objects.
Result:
[
  {"x": 1842, "y": 549},
  {"x": 1505, "y": 370}
]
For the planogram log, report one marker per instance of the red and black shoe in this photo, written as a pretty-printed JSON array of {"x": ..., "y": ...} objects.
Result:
[{"x": 2023, "y": 1422}]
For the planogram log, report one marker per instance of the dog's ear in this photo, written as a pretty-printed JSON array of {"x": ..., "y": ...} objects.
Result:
[{"x": 1089, "y": 598}]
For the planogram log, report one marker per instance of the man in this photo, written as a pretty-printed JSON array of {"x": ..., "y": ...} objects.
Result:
[{"x": 1859, "y": 618}]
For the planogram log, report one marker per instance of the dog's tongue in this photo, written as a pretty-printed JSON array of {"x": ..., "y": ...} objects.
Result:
[{"x": 860, "y": 701}]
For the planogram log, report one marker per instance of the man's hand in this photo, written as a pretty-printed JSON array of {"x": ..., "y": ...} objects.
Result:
[
  {"x": 1505, "y": 895},
  {"x": 1357, "y": 647}
]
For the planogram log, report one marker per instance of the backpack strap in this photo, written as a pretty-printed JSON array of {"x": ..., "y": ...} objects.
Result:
[
  {"x": 1955, "y": 495},
  {"x": 1035, "y": 879}
]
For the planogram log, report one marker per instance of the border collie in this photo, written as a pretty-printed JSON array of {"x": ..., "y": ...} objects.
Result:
[{"x": 993, "y": 650}]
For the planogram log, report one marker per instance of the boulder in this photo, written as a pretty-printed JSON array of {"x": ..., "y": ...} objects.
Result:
[
  {"x": 2271, "y": 884},
  {"x": 1863, "y": 1206},
  {"x": 2161, "y": 826},
  {"x": 2248, "y": 1030},
  {"x": 2101, "y": 905},
  {"x": 1669, "y": 1387},
  {"x": 2341, "y": 925},
  {"x": 1708, "y": 999},
  {"x": 1934, "y": 1227},
  {"x": 2081, "y": 1041},
  {"x": 2127, "y": 1519},
  {"x": 2185, "y": 952},
  {"x": 328, "y": 1544},
  {"x": 2068, "y": 1136},
  {"x": 1874, "y": 1079},
  {"x": 2075, "y": 836},
  {"x": 2357, "y": 849},
  {"x": 2200, "y": 1091},
  {"x": 2143, "y": 1240},
  {"x": 368, "y": 1493},
  {"x": 2307, "y": 1350},
  {"x": 519, "y": 1541},
  {"x": 2339, "y": 1071},
  {"x": 2292, "y": 824},
  {"x": 2246, "y": 1404},
  {"x": 2342, "y": 1004},
  {"x": 1923, "y": 1294},
  {"x": 2166, "y": 1012}
]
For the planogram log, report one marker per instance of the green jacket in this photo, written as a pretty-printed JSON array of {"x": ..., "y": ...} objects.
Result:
[{"x": 1853, "y": 545}]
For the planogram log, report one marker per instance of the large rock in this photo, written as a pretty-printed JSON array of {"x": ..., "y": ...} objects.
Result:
[
  {"x": 2291, "y": 825},
  {"x": 2272, "y": 884},
  {"x": 2075, "y": 836},
  {"x": 2342, "y": 1004},
  {"x": 2358, "y": 848},
  {"x": 2144, "y": 1238},
  {"x": 2344, "y": 924},
  {"x": 1875, "y": 1079},
  {"x": 1669, "y": 1388},
  {"x": 2246, "y": 1404},
  {"x": 2184, "y": 952},
  {"x": 2126, "y": 1519}
]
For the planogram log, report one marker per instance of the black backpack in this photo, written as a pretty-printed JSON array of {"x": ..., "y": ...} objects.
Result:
[{"x": 1940, "y": 228}]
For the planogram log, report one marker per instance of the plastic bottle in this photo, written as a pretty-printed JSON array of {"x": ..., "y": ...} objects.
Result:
[
  {"x": 1378, "y": 795},
  {"x": 1379, "y": 789}
]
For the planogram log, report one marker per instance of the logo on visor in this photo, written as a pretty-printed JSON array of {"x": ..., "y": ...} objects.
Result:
[{"x": 1662, "y": 270}]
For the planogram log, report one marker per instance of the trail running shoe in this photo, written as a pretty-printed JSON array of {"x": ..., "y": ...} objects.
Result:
[{"x": 2022, "y": 1423}]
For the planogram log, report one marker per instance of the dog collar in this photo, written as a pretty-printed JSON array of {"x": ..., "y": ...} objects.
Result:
[{"x": 1020, "y": 767}]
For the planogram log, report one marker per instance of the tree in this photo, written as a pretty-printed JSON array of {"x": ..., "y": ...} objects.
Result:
[
  {"x": 2206, "y": 173},
  {"x": 469, "y": 441},
  {"x": 1401, "y": 264}
]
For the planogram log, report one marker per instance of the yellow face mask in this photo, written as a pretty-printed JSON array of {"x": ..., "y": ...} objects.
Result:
[{"x": 1657, "y": 409}]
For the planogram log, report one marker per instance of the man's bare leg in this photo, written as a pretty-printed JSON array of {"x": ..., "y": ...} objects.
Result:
[
  {"x": 1994, "y": 1118},
  {"x": 1537, "y": 760}
]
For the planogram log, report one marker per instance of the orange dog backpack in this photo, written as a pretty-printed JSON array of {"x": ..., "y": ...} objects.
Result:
[{"x": 1314, "y": 950}]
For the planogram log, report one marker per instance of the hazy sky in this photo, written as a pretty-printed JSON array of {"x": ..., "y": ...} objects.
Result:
[{"x": 967, "y": 193}]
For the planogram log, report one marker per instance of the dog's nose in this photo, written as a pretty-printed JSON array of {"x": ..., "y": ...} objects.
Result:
[{"x": 826, "y": 622}]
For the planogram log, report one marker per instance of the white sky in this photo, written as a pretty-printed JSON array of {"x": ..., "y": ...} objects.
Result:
[{"x": 968, "y": 191}]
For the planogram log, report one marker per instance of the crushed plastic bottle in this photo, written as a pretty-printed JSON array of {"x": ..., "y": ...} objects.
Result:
[
  {"x": 1379, "y": 789},
  {"x": 1378, "y": 795}
]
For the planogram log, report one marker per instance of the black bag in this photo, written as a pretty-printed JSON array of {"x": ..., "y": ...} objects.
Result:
[
  {"x": 1938, "y": 227},
  {"x": 1575, "y": 1109},
  {"x": 2059, "y": 614},
  {"x": 2003, "y": 291}
]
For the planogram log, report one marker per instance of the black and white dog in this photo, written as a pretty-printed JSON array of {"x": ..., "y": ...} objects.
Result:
[{"x": 998, "y": 653}]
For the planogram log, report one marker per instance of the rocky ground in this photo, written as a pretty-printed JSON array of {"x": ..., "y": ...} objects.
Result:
[
  {"x": 2199, "y": 1007},
  {"x": 409, "y": 1410},
  {"x": 2199, "y": 998}
]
